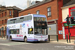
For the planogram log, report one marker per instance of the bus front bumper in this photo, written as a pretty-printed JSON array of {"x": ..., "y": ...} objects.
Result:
[
  {"x": 35, "y": 40},
  {"x": 32, "y": 40}
]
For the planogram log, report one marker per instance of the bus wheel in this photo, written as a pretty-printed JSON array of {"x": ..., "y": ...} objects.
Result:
[
  {"x": 10, "y": 38},
  {"x": 25, "y": 39}
]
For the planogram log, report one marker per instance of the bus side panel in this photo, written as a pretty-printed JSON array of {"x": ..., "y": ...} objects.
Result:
[{"x": 29, "y": 24}]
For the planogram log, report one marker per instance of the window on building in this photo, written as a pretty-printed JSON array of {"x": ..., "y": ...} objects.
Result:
[
  {"x": 37, "y": 12},
  {"x": 2, "y": 14},
  {"x": 21, "y": 15},
  {"x": 2, "y": 21},
  {"x": 5, "y": 13},
  {"x": 28, "y": 13},
  {"x": 5, "y": 20},
  {"x": 72, "y": 12},
  {"x": 49, "y": 11},
  {"x": 9, "y": 12}
]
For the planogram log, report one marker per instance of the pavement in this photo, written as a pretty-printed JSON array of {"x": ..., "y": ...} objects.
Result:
[
  {"x": 63, "y": 41},
  {"x": 2, "y": 38}
]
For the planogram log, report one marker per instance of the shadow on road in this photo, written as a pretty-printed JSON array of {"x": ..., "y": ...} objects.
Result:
[
  {"x": 30, "y": 42},
  {"x": 38, "y": 42}
]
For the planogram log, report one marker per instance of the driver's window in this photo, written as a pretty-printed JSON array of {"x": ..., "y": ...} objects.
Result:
[
  {"x": 30, "y": 30},
  {"x": 35, "y": 30},
  {"x": 44, "y": 31}
]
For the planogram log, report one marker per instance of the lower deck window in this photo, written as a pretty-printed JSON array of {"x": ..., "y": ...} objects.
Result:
[{"x": 14, "y": 31}]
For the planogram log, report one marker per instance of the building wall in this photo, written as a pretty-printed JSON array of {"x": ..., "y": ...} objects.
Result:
[
  {"x": 5, "y": 17},
  {"x": 65, "y": 13},
  {"x": 15, "y": 13},
  {"x": 2, "y": 8},
  {"x": 70, "y": 12},
  {"x": 43, "y": 10},
  {"x": 59, "y": 24}
]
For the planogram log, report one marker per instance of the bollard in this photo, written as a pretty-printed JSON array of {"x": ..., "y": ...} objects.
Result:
[
  {"x": 67, "y": 38},
  {"x": 2, "y": 34},
  {"x": 48, "y": 37},
  {"x": 74, "y": 41},
  {"x": 57, "y": 38}
]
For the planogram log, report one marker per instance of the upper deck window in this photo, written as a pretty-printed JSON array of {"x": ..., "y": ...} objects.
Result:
[
  {"x": 29, "y": 17},
  {"x": 11, "y": 21},
  {"x": 19, "y": 20}
]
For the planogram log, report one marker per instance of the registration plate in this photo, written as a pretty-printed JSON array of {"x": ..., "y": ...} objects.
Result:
[{"x": 41, "y": 40}]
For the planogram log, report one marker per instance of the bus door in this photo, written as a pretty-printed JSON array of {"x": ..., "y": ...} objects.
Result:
[{"x": 30, "y": 32}]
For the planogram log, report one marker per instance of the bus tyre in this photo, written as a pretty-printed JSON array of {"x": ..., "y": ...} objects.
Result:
[
  {"x": 25, "y": 39},
  {"x": 10, "y": 38}
]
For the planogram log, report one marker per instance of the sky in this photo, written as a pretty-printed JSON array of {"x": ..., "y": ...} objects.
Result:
[{"x": 19, "y": 3}]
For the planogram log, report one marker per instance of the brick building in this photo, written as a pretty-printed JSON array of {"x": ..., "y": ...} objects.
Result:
[
  {"x": 68, "y": 9},
  {"x": 6, "y": 13},
  {"x": 53, "y": 12}
]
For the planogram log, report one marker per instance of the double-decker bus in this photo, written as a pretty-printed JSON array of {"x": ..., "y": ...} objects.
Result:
[{"x": 30, "y": 27}]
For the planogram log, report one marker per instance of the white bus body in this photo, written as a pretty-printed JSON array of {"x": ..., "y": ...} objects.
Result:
[{"x": 26, "y": 29}]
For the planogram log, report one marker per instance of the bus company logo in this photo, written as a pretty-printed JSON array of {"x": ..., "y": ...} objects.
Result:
[
  {"x": 27, "y": 25},
  {"x": 19, "y": 35},
  {"x": 23, "y": 25},
  {"x": 41, "y": 36}
]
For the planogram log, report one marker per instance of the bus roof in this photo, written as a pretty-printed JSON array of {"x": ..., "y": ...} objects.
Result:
[{"x": 34, "y": 15}]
